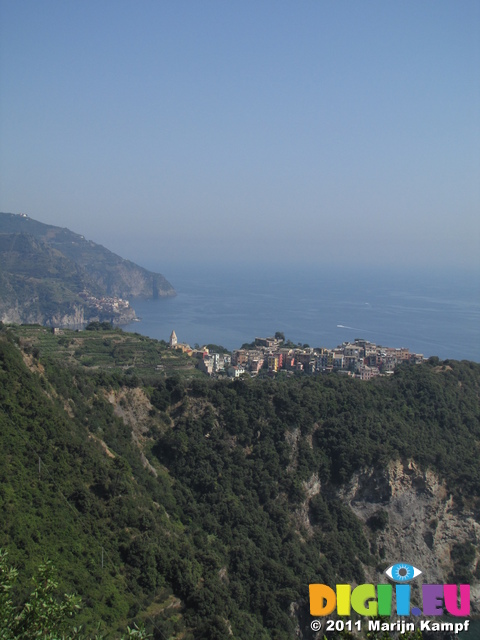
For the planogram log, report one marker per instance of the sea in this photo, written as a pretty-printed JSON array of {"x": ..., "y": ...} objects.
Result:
[{"x": 435, "y": 312}]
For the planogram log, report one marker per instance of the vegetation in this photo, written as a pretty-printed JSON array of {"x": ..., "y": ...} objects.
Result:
[
  {"x": 38, "y": 281},
  {"x": 101, "y": 347},
  {"x": 217, "y": 348},
  {"x": 204, "y": 524},
  {"x": 43, "y": 615},
  {"x": 58, "y": 252},
  {"x": 99, "y": 326}
]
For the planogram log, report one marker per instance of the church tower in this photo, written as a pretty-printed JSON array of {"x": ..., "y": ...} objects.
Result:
[{"x": 173, "y": 340}]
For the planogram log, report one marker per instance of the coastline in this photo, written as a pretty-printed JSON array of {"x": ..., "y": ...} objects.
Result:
[{"x": 310, "y": 305}]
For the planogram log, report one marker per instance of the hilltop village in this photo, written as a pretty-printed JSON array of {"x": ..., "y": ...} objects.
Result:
[{"x": 273, "y": 356}]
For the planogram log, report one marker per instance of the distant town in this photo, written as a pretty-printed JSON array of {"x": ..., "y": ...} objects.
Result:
[
  {"x": 276, "y": 356},
  {"x": 108, "y": 305}
]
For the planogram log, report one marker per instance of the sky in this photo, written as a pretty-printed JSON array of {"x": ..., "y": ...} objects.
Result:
[{"x": 241, "y": 131}]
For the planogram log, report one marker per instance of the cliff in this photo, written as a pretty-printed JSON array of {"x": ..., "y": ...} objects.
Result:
[
  {"x": 114, "y": 275},
  {"x": 55, "y": 277},
  {"x": 411, "y": 516}
]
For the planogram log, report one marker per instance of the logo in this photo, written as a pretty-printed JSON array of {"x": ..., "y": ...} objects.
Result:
[{"x": 377, "y": 600}]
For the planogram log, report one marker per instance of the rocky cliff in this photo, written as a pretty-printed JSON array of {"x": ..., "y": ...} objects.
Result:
[{"x": 410, "y": 516}]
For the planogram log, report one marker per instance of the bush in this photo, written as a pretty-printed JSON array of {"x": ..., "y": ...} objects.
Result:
[{"x": 43, "y": 615}]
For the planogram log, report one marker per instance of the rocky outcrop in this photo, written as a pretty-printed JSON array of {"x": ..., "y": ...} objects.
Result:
[
  {"x": 32, "y": 314},
  {"x": 410, "y": 516},
  {"x": 133, "y": 407},
  {"x": 125, "y": 279},
  {"x": 75, "y": 315}
]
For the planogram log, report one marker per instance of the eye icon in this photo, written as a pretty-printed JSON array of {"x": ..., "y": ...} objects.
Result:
[{"x": 402, "y": 572}]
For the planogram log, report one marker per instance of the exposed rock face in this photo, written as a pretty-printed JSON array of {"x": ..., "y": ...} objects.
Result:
[
  {"x": 423, "y": 521},
  {"x": 420, "y": 525},
  {"x": 74, "y": 315},
  {"x": 133, "y": 406},
  {"x": 127, "y": 280},
  {"x": 312, "y": 487},
  {"x": 82, "y": 315}
]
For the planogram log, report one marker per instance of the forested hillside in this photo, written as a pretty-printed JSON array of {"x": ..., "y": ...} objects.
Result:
[
  {"x": 205, "y": 508},
  {"x": 114, "y": 275}
]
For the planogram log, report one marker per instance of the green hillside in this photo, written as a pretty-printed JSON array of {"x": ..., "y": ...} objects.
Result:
[
  {"x": 114, "y": 275},
  {"x": 197, "y": 494},
  {"x": 51, "y": 276},
  {"x": 38, "y": 282}
]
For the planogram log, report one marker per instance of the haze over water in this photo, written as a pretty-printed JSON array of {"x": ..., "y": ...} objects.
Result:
[
  {"x": 330, "y": 132},
  {"x": 434, "y": 313},
  {"x": 340, "y": 132}
]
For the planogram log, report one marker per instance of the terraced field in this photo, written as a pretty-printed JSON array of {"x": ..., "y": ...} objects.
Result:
[{"x": 113, "y": 350}]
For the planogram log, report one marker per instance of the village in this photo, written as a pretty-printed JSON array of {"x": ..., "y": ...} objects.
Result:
[
  {"x": 273, "y": 356},
  {"x": 106, "y": 304},
  {"x": 108, "y": 308}
]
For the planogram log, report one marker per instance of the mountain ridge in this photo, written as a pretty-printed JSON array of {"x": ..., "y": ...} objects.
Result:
[{"x": 53, "y": 276}]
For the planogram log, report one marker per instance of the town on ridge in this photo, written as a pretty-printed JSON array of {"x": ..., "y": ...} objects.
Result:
[{"x": 360, "y": 359}]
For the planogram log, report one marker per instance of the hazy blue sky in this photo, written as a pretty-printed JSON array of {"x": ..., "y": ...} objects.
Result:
[{"x": 243, "y": 130}]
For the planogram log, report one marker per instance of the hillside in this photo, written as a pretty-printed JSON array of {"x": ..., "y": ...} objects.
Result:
[
  {"x": 44, "y": 268},
  {"x": 215, "y": 503},
  {"x": 39, "y": 285}
]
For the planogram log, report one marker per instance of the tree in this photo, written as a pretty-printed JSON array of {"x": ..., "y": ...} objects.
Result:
[
  {"x": 99, "y": 326},
  {"x": 43, "y": 615}
]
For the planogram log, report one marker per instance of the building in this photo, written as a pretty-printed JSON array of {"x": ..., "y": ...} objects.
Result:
[
  {"x": 206, "y": 365},
  {"x": 235, "y": 371},
  {"x": 266, "y": 342},
  {"x": 273, "y": 363}
]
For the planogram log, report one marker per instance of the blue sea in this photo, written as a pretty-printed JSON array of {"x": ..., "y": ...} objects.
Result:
[{"x": 431, "y": 312}]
